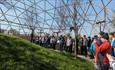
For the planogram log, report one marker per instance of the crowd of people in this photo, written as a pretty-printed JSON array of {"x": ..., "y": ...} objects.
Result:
[
  {"x": 101, "y": 47},
  {"x": 84, "y": 45},
  {"x": 65, "y": 43},
  {"x": 62, "y": 43}
]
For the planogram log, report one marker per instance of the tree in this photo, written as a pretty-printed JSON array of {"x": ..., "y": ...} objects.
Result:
[{"x": 31, "y": 18}]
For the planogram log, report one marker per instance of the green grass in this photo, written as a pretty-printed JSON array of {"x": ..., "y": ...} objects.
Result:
[{"x": 19, "y": 54}]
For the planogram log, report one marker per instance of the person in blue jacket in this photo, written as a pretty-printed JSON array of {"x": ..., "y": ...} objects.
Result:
[
  {"x": 92, "y": 47},
  {"x": 112, "y": 37}
]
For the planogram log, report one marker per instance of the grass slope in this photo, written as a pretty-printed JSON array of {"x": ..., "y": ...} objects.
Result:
[{"x": 19, "y": 54}]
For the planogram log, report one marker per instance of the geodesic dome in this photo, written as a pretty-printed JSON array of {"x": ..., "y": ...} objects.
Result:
[{"x": 56, "y": 15}]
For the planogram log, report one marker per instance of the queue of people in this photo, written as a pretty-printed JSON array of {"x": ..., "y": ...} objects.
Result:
[
  {"x": 62, "y": 43},
  {"x": 101, "y": 47},
  {"x": 66, "y": 43},
  {"x": 84, "y": 45}
]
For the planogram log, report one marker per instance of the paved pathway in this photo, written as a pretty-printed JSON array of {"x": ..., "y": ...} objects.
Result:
[{"x": 86, "y": 58}]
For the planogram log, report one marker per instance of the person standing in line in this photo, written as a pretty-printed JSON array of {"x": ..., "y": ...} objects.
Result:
[
  {"x": 89, "y": 44},
  {"x": 37, "y": 40},
  {"x": 101, "y": 50},
  {"x": 61, "y": 38},
  {"x": 46, "y": 42},
  {"x": 68, "y": 44},
  {"x": 85, "y": 45},
  {"x": 58, "y": 44},
  {"x": 65, "y": 40},
  {"x": 42, "y": 40},
  {"x": 81, "y": 45},
  {"x": 98, "y": 41},
  {"x": 92, "y": 47},
  {"x": 53, "y": 42},
  {"x": 112, "y": 38}
]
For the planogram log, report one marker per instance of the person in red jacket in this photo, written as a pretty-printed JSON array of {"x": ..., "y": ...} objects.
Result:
[{"x": 101, "y": 51}]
